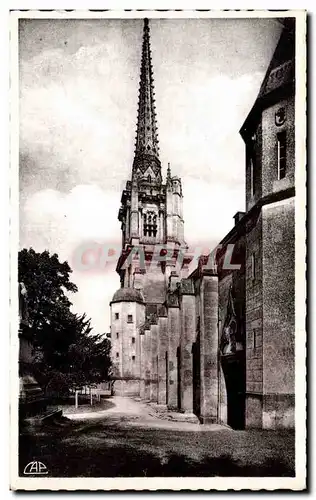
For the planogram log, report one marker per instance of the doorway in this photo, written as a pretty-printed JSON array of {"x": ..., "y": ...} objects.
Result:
[
  {"x": 196, "y": 372},
  {"x": 179, "y": 377},
  {"x": 235, "y": 379},
  {"x": 167, "y": 377}
]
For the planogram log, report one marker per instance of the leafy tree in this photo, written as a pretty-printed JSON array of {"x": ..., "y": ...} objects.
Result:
[{"x": 66, "y": 352}]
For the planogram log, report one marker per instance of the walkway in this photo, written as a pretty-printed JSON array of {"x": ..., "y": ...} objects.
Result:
[{"x": 134, "y": 412}]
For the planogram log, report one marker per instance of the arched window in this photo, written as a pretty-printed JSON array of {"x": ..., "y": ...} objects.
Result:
[
  {"x": 150, "y": 224},
  {"x": 145, "y": 225}
]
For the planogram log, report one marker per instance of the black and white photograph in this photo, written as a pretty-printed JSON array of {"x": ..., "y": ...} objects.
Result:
[{"x": 158, "y": 172}]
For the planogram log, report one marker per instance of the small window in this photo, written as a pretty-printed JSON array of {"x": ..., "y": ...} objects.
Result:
[
  {"x": 133, "y": 358},
  {"x": 117, "y": 335},
  {"x": 129, "y": 318},
  {"x": 253, "y": 266},
  {"x": 117, "y": 355},
  {"x": 252, "y": 175},
  {"x": 117, "y": 315},
  {"x": 133, "y": 340},
  {"x": 254, "y": 338},
  {"x": 281, "y": 155}
]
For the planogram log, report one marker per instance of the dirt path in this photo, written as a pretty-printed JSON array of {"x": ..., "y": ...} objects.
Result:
[{"x": 132, "y": 412}]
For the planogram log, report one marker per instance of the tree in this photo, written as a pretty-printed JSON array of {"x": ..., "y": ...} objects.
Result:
[
  {"x": 90, "y": 356},
  {"x": 65, "y": 348}
]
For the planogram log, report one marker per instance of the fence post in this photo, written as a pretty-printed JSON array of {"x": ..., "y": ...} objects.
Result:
[{"x": 76, "y": 398}]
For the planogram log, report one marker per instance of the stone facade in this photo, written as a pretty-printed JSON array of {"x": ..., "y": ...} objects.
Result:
[
  {"x": 218, "y": 343},
  {"x": 269, "y": 133}
]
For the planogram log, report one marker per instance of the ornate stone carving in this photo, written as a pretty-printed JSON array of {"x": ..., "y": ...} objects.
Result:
[
  {"x": 231, "y": 335},
  {"x": 280, "y": 117},
  {"x": 186, "y": 287},
  {"x": 172, "y": 298},
  {"x": 162, "y": 311}
]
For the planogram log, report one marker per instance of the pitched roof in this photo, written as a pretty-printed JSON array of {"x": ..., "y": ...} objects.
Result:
[{"x": 280, "y": 73}]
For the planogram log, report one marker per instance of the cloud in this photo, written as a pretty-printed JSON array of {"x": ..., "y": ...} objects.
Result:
[{"x": 62, "y": 223}]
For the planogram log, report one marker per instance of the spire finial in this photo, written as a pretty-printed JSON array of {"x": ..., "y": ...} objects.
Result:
[
  {"x": 146, "y": 150},
  {"x": 168, "y": 172}
]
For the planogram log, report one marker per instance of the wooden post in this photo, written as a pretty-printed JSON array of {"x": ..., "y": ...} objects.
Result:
[
  {"x": 91, "y": 402},
  {"x": 76, "y": 398}
]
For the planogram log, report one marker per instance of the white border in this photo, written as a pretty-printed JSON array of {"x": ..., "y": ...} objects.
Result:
[{"x": 212, "y": 483}]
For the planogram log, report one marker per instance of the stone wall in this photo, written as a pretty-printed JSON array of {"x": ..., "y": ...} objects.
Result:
[
  {"x": 254, "y": 375},
  {"x": 162, "y": 355},
  {"x": 278, "y": 243},
  {"x": 125, "y": 345},
  {"x": 154, "y": 284},
  {"x": 270, "y": 182},
  {"x": 173, "y": 344},
  {"x": 188, "y": 329},
  {"x": 209, "y": 349},
  {"x": 254, "y": 150}
]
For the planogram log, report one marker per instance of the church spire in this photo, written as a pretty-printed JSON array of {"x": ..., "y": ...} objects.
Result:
[
  {"x": 168, "y": 173},
  {"x": 146, "y": 163}
]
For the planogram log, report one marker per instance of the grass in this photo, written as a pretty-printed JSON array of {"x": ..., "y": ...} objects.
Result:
[{"x": 107, "y": 449}]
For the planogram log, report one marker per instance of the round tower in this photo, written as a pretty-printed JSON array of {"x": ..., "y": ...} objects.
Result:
[{"x": 127, "y": 317}]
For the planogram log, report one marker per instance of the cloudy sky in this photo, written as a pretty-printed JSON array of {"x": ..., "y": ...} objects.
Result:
[{"x": 78, "y": 108}]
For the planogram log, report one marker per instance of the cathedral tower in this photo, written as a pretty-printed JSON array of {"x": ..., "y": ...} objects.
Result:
[
  {"x": 151, "y": 217},
  {"x": 151, "y": 210}
]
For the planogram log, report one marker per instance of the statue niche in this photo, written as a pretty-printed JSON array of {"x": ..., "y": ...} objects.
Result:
[
  {"x": 233, "y": 362},
  {"x": 232, "y": 333}
]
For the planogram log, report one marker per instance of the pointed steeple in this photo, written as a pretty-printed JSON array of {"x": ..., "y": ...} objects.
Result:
[
  {"x": 146, "y": 163},
  {"x": 168, "y": 174}
]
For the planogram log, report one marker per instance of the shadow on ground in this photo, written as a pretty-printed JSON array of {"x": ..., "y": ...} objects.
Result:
[
  {"x": 104, "y": 404},
  {"x": 105, "y": 449}
]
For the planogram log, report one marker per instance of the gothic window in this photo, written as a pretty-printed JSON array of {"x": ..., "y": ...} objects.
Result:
[
  {"x": 150, "y": 224},
  {"x": 253, "y": 266},
  {"x": 155, "y": 225},
  {"x": 117, "y": 315},
  {"x": 254, "y": 336},
  {"x": 251, "y": 164},
  {"x": 145, "y": 225},
  {"x": 117, "y": 335},
  {"x": 252, "y": 175},
  {"x": 281, "y": 138},
  {"x": 133, "y": 340},
  {"x": 117, "y": 354}
]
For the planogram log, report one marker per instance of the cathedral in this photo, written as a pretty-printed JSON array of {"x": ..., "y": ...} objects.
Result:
[{"x": 216, "y": 343}]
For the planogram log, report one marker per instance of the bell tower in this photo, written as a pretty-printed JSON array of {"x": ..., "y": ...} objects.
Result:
[{"x": 151, "y": 210}]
